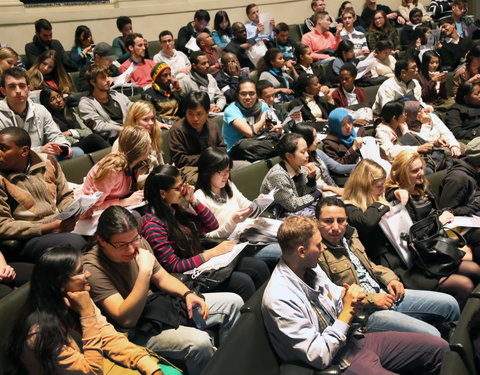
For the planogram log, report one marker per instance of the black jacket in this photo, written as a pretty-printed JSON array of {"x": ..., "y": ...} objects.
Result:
[
  {"x": 234, "y": 47},
  {"x": 184, "y": 35},
  {"x": 460, "y": 189},
  {"x": 307, "y": 113},
  {"x": 228, "y": 85},
  {"x": 452, "y": 54},
  {"x": 463, "y": 121},
  {"x": 35, "y": 48},
  {"x": 318, "y": 70}
]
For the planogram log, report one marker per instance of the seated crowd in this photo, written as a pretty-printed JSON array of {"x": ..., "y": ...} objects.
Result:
[{"x": 351, "y": 120}]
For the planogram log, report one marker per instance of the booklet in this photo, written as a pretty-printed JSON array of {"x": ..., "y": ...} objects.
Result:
[
  {"x": 217, "y": 262},
  {"x": 261, "y": 203},
  {"x": 79, "y": 206}
]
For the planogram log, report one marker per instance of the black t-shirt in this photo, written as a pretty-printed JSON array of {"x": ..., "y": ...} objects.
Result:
[{"x": 113, "y": 109}]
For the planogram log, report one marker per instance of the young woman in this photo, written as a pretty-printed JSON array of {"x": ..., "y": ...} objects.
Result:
[
  {"x": 381, "y": 28},
  {"x": 315, "y": 108},
  {"x": 430, "y": 128},
  {"x": 303, "y": 55},
  {"x": 70, "y": 124},
  {"x": 116, "y": 175},
  {"x": 384, "y": 65},
  {"x": 418, "y": 44},
  {"x": 351, "y": 33},
  {"x": 270, "y": 68},
  {"x": 142, "y": 113},
  {"x": 82, "y": 51},
  {"x": 366, "y": 204},
  {"x": 463, "y": 118},
  {"x": 470, "y": 71},
  {"x": 322, "y": 161},
  {"x": 392, "y": 127},
  {"x": 294, "y": 178},
  {"x": 225, "y": 201},
  {"x": 342, "y": 96},
  {"x": 48, "y": 71},
  {"x": 342, "y": 143},
  {"x": 222, "y": 33},
  {"x": 173, "y": 232},
  {"x": 8, "y": 58},
  {"x": 58, "y": 303},
  {"x": 345, "y": 54},
  {"x": 433, "y": 82}
]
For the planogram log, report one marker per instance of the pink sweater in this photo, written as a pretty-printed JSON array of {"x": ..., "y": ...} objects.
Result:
[{"x": 319, "y": 42}]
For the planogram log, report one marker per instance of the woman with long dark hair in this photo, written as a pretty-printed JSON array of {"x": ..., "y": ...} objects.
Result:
[
  {"x": 222, "y": 33},
  {"x": 174, "y": 231},
  {"x": 59, "y": 302},
  {"x": 381, "y": 28},
  {"x": 69, "y": 123},
  {"x": 463, "y": 118},
  {"x": 82, "y": 51},
  {"x": 433, "y": 82}
]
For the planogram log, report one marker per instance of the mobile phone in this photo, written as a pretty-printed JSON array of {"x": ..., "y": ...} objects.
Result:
[
  {"x": 65, "y": 150},
  {"x": 198, "y": 318}
]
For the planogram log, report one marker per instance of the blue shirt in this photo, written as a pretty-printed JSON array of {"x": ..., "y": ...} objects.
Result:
[
  {"x": 252, "y": 32},
  {"x": 230, "y": 134}
]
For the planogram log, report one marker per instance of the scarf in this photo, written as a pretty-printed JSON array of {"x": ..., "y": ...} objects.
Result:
[
  {"x": 255, "y": 111},
  {"x": 199, "y": 78},
  {"x": 412, "y": 108},
  {"x": 335, "y": 125},
  {"x": 278, "y": 74}
]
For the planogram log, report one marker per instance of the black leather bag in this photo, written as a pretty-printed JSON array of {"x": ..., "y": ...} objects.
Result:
[
  {"x": 252, "y": 149},
  {"x": 435, "y": 253}
]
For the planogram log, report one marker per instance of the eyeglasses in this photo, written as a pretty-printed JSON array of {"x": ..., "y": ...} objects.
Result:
[
  {"x": 55, "y": 98},
  {"x": 123, "y": 245}
]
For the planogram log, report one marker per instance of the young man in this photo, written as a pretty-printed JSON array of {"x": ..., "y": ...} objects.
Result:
[
  {"x": 239, "y": 44},
  {"x": 140, "y": 74},
  {"x": 104, "y": 110},
  {"x": 165, "y": 94},
  {"x": 102, "y": 55},
  {"x": 33, "y": 190},
  {"x": 123, "y": 270},
  {"x": 403, "y": 85},
  {"x": 308, "y": 317},
  {"x": 176, "y": 60},
  {"x": 348, "y": 94},
  {"x": 391, "y": 307},
  {"x": 192, "y": 29},
  {"x": 200, "y": 80},
  {"x": 18, "y": 110},
  {"x": 43, "y": 41},
  {"x": 254, "y": 27},
  {"x": 282, "y": 41},
  {"x": 206, "y": 44},
  {"x": 228, "y": 76},
  {"x": 322, "y": 42},
  {"x": 124, "y": 25},
  {"x": 465, "y": 25},
  {"x": 453, "y": 47}
]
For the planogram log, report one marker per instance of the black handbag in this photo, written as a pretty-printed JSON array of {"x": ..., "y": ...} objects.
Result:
[
  {"x": 434, "y": 251},
  {"x": 260, "y": 147}
]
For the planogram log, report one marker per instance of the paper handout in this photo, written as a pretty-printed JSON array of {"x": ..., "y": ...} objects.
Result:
[
  {"x": 218, "y": 262},
  {"x": 296, "y": 109},
  {"x": 79, "y": 206},
  {"x": 260, "y": 204}
]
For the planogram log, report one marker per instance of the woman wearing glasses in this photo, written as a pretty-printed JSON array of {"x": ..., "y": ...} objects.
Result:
[
  {"x": 174, "y": 231},
  {"x": 59, "y": 302}
]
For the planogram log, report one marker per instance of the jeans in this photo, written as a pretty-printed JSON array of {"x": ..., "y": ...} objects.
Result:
[
  {"x": 191, "y": 345},
  {"x": 76, "y": 151},
  {"x": 34, "y": 247},
  {"x": 270, "y": 254},
  {"x": 335, "y": 166},
  {"x": 414, "y": 312}
]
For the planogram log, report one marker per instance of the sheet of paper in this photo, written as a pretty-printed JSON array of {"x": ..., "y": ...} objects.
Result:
[
  {"x": 370, "y": 150},
  {"x": 394, "y": 223},
  {"x": 192, "y": 44},
  {"x": 267, "y": 26},
  {"x": 464, "y": 221},
  {"x": 364, "y": 66},
  {"x": 264, "y": 224},
  {"x": 88, "y": 227},
  {"x": 260, "y": 204},
  {"x": 121, "y": 79},
  {"x": 218, "y": 262},
  {"x": 296, "y": 109},
  {"x": 79, "y": 206}
]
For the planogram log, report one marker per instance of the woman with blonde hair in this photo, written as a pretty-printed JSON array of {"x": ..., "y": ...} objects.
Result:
[
  {"x": 366, "y": 205},
  {"x": 48, "y": 71},
  {"x": 116, "y": 174},
  {"x": 8, "y": 58},
  {"x": 142, "y": 113}
]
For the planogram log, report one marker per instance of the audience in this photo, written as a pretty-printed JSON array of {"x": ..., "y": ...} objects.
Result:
[
  {"x": 239, "y": 45},
  {"x": 188, "y": 33},
  {"x": 348, "y": 94},
  {"x": 173, "y": 232},
  {"x": 322, "y": 42},
  {"x": 254, "y": 27},
  {"x": 370, "y": 9},
  {"x": 199, "y": 80},
  {"x": 453, "y": 46},
  {"x": 190, "y": 136},
  {"x": 48, "y": 72},
  {"x": 124, "y": 25},
  {"x": 463, "y": 118},
  {"x": 222, "y": 33},
  {"x": 344, "y": 54},
  {"x": 122, "y": 271},
  {"x": 384, "y": 64},
  {"x": 176, "y": 60},
  {"x": 206, "y": 44},
  {"x": 8, "y": 58},
  {"x": 464, "y": 24},
  {"x": 43, "y": 41},
  {"x": 470, "y": 71},
  {"x": 270, "y": 68},
  {"x": 141, "y": 74},
  {"x": 229, "y": 75},
  {"x": 283, "y": 42},
  {"x": 116, "y": 175},
  {"x": 408, "y": 6},
  {"x": 33, "y": 191},
  {"x": 349, "y": 32},
  {"x": 103, "y": 110},
  {"x": 82, "y": 51},
  {"x": 308, "y": 317},
  {"x": 433, "y": 82},
  {"x": 382, "y": 29},
  {"x": 304, "y": 64}
]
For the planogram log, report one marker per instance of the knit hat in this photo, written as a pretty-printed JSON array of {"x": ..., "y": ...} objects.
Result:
[
  {"x": 472, "y": 152},
  {"x": 158, "y": 69}
]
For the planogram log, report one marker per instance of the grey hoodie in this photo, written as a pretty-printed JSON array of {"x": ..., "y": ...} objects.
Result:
[{"x": 38, "y": 123}]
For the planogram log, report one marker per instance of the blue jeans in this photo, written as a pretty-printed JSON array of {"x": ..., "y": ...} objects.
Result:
[
  {"x": 192, "y": 345},
  {"x": 413, "y": 312},
  {"x": 270, "y": 254},
  {"x": 76, "y": 151}
]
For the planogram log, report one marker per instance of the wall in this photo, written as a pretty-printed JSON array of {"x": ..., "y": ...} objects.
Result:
[{"x": 149, "y": 16}]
